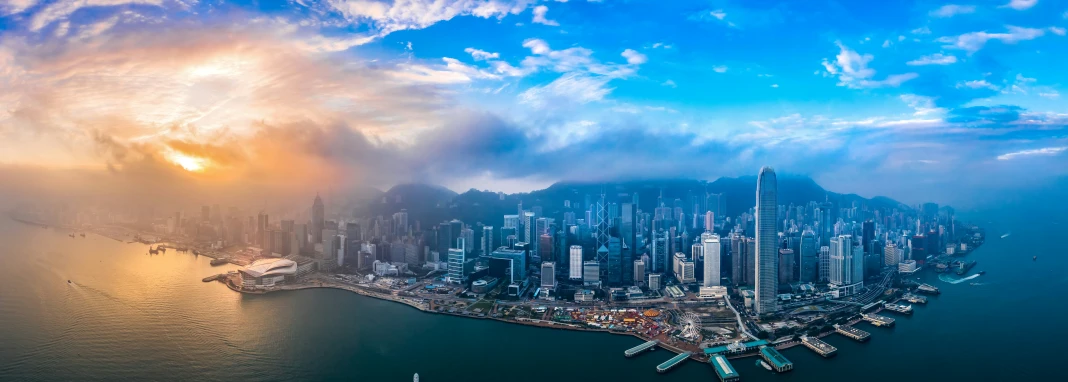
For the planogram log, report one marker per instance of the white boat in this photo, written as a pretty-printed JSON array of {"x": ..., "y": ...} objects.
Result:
[
  {"x": 415, "y": 378},
  {"x": 1006, "y": 235}
]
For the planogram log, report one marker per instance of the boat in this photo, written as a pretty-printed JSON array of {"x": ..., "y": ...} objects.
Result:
[
  {"x": 927, "y": 289},
  {"x": 415, "y": 378},
  {"x": 899, "y": 308},
  {"x": 1006, "y": 235},
  {"x": 760, "y": 362},
  {"x": 1034, "y": 258},
  {"x": 219, "y": 261},
  {"x": 68, "y": 282},
  {"x": 964, "y": 267}
]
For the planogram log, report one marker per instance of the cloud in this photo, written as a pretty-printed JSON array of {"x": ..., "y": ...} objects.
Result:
[
  {"x": 978, "y": 84},
  {"x": 1050, "y": 94},
  {"x": 950, "y": 10},
  {"x": 1020, "y": 5},
  {"x": 662, "y": 45},
  {"x": 923, "y": 105},
  {"x": 11, "y": 7},
  {"x": 669, "y": 83},
  {"x": 852, "y": 71},
  {"x": 1057, "y": 31},
  {"x": 569, "y": 89},
  {"x": 974, "y": 41},
  {"x": 718, "y": 14},
  {"x": 539, "y": 16},
  {"x": 634, "y": 57},
  {"x": 1045, "y": 151},
  {"x": 481, "y": 55},
  {"x": 420, "y": 14},
  {"x": 63, "y": 9},
  {"x": 934, "y": 59},
  {"x": 720, "y": 68}
]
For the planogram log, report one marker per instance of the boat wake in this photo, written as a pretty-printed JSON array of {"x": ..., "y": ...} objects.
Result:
[{"x": 955, "y": 280}]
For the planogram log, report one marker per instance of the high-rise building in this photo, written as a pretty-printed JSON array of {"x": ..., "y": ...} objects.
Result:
[
  {"x": 591, "y": 273},
  {"x": 639, "y": 271},
  {"x": 825, "y": 264},
  {"x": 628, "y": 241},
  {"x": 710, "y": 221},
  {"x": 787, "y": 274},
  {"x": 456, "y": 266},
  {"x": 890, "y": 255},
  {"x": 615, "y": 261},
  {"x": 548, "y": 275},
  {"x": 847, "y": 265},
  {"x": 575, "y": 270},
  {"x": 767, "y": 261},
  {"x": 660, "y": 256},
  {"x": 318, "y": 221},
  {"x": 710, "y": 247},
  {"x": 738, "y": 259},
  {"x": 808, "y": 271},
  {"x": 487, "y": 240},
  {"x": 654, "y": 281}
]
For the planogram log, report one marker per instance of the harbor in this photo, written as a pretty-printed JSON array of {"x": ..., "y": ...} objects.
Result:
[
  {"x": 778, "y": 362},
  {"x": 877, "y": 320},
  {"x": 898, "y": 308},
  {"x": 851, "y": 332},
  {"x": 817, "y": 345}
]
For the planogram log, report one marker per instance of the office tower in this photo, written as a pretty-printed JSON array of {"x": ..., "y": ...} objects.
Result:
[
  {"x": 687, "y": 272},
  {"x": 808, "y": 271},
  {"x": 654, "y": 281},
  {"x": 750, "y": 261},
  {"x": 628, "y": 241},
  {"x": 487, "y": 240},
  {"x": 711, "y": 251},
  {"x": 545, "y": 247},
  {"x": 738, "y": 259},
  {"x": 825, "y": 264},
  {"x": 847, "y": 265},
  {"x": 575, "y": 270},
  {"x": 262, "y": 237},
  {"x": 826, "y": 223},
  {"x": 890, "y": 255},
  {"x": 400, "y": 223},
  {"x": 600, "y": 235},
  {"x": 446, "y": 238},
  {"x": 528, "y": 227},
  {"x": 562, "y": 256},
  {"x": 710, "y": 221},
  {"x": 639, "y": 271},
  {"x": 767, "y": 261},
  {"x": 468, "y": 235},
  {"x": 660, "y": 256},
  {"x": 456, "y": 266},
  {"x": 591, "y": 273},
  {"x": 867, "y": 235},
  {"x": 787, "y": 274},
  {"x": 342, "y": 246},
  {"x": 205, "y": 214},
  {"x": 548, "y": 275},
  {"x": 615, "y": 261},
  {"x": 318, "y": 220},
  {"x": 513, "y": 260}
]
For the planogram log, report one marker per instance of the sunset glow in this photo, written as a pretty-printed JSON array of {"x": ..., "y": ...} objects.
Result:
[{"x": 187, "y": 162}]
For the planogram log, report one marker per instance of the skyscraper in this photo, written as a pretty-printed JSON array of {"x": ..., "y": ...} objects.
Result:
[
  {"x": 575, "y": 270},
  {"x": 639, "y": 271},
  {"x": 767, "y": 256},
  {"x": 809, "y": 269},
  {"x": 318, "y": 220},
  {"x": 627, "y": 236},
  {"x": 711, "y": 249}
]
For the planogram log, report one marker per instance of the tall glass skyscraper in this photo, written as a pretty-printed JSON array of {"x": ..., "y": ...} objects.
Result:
[{"x": 767, "y": 256}]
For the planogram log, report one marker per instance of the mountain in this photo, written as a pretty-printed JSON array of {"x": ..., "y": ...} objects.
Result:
[{"x": 432, "y": 204}]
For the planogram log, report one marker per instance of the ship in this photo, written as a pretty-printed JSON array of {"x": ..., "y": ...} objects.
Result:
[
  {"x": 899, "y": 308},
  {"x": 415, "y": 378},
  {"x": 927, "y": 289},
  {"x": 219, "y": 261},
  {"x": 764, "y": 364},
  {"x": 83, "y": 234},
  {"x": 964, "y": 267}
]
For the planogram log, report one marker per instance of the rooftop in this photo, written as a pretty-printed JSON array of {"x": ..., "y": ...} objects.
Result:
[{"x": 775, "y": 357}]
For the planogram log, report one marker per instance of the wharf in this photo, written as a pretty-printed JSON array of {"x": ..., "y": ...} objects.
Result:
[
  {"x": 915, "y": 299},
  {"x": 852, "y": 332},
  {"x": 776, "y": 359},
  {"x": 674, "y": 361},
  {"x": 650, "y": 345},
  {"x": 878, "y": 320},
  {"x": 724, "y": 370},
  {"x": 822, "y": 348},
  {"x": 927, "y": 289}
]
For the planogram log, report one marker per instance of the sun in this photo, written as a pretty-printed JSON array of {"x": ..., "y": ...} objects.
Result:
[{"x": 188, "y": 162}]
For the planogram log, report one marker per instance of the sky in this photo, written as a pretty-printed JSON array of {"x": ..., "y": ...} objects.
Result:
[{"x": 917, "y": 100}]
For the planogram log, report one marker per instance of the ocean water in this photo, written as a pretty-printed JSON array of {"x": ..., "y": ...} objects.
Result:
[{"x": 127, "y": 315}]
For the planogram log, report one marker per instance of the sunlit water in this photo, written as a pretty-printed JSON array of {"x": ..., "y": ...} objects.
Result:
[{"x": 130, "y": 316}]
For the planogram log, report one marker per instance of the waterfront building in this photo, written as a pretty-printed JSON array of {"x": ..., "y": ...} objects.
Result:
[
  {"x": 907, "y": 266},
  {"x": 639, "y": 271},
  {"x": 591, "y": 273},
  {"x": 456, "y": 261},
  {"x": 484, "y": 284},
  {"x": 890, "y": 255},
  {"x": 267, "y": 272},
  {"x": 575, "y": 270},
  {"x": 710, "y": 247},
  {"x": 712, "y": 292},
  {"x": 507, "y": 262},
  {"x": 767, "y": 258},
  {"x": 584, "y": 295},
  {"x": 654, "y": 281}
]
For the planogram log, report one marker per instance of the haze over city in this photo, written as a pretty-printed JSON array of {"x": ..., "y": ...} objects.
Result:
[{"x": 286, "y": 97}]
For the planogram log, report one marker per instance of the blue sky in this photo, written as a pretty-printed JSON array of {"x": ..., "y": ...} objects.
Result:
[{"x": 902, "y": 98}]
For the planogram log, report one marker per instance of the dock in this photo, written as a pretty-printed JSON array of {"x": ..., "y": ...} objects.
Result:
[
  {"x": 852, "y": 332},
  {"x": 736, "y": 347},
  {"x": 898, "y": 308},
  {"x": 724, "y": 370},
  {"x": 674, "y": 361},
  {"x": 777, "y": 361},
  {"x": 822, "y": 348},
  {"x": 640, "y": 348},
  {"x": 878, "y": 320},
  {"x": 927, "y": 289}
]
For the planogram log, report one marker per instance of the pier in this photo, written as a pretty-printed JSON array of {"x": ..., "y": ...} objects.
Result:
[
  {"x": 777, "y": 361},
  {"x": 674, "y": 361},
  {"x": 736, "y": 348},
  {"x": 898, "y": 308},
  {"x": 724, "y": 370},
  {"x": 852, "y": 332},
  {"x": 822, "y": 348},
  {"x": 878, "y": 320},
  {"x": 640, "y": 348},
  {"x": 927, "y": 289}
]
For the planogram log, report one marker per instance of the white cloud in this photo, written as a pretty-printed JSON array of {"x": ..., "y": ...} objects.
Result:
[
  {"x": 569, "y": 89},
  {"x": 634, "y": 57},
  {"x": 539, "y": 16},
  {"x": 718, "y": 14},
  {"x": 922, "y": 30},
  {"x": 1020, "y": 5},
  {"x": 978, "y": 84},
  {"x": 972, "y": 42},
  {"x": 537, "y": 46},
  {"x": 10, "y": 7},
  {"x": 1057, "y": 31},
  {"x": 934, "y": 59},
  {"x": 950, "y": 10},
  {"x": 886, "y": 44},
  {"x": 720, "y": 68},
  {"x": 1045, "y": 151},
  {"x": 774, "y": 85},
  {"x": 662, "y": 45},
  {"x": 481, "y": 55},
  {"x": 1050, "y": 94},
  {"x": 670, "y": 83},
  {"x": 62, "y": 10},
  {"x": 922, "y": 104},
  {"x": 852, "y": 71},
  {"x": 419, "y": 14},
  {"x": 453, "y": 72}
]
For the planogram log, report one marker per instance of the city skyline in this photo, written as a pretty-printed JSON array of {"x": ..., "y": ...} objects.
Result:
[{"x": 516, "y": 95}]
